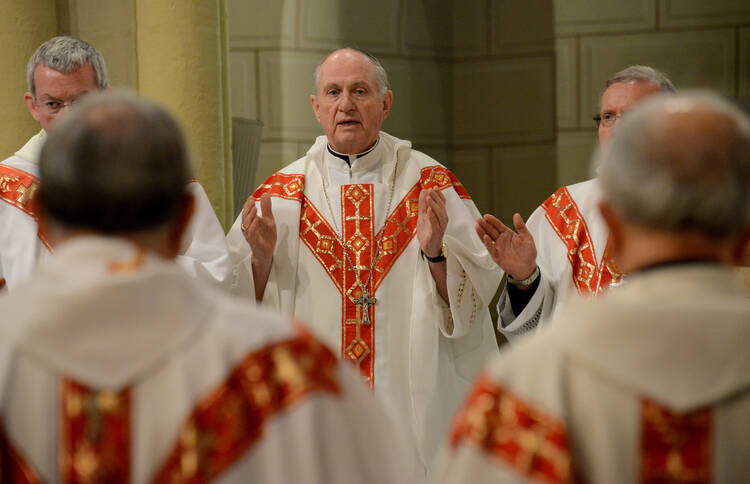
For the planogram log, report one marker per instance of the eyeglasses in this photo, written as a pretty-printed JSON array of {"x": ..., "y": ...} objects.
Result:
[
  {"x": 607, "y": 119},
  {"x": 54, "y": 107}
]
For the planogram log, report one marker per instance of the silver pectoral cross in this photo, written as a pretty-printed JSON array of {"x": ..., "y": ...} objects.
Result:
[{"x": 365, "y": 301}]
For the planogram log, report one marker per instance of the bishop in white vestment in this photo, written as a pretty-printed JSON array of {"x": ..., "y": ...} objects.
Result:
[{"x": 349, "y": 258}]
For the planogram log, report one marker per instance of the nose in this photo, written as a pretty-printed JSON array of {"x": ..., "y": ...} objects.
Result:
[{"x": 346, "y": 103}]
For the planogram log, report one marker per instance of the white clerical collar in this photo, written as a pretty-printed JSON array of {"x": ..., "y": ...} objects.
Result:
[
  {"x": 350, "y": 159},
  {"x": 33, "y": 147}
]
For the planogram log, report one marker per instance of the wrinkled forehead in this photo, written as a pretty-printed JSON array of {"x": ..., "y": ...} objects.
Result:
[
  {"x": 49, "y": 79},
  {"x": 347, "y": 67},
  {"x": 622, "y": 96}
]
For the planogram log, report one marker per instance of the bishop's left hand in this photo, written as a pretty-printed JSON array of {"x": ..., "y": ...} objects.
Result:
[{"x": 432, "y": 220}]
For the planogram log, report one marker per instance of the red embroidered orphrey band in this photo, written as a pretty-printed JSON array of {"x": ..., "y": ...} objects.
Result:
[
  {"x": 233, "y": 417},
  {"x": 95, "y": 436},
  {"x": 566, "y": 219},
  {"x": 289, "y": 187},
  {"x": 675, "y": 447},
  {"x": 505, "y": 428},
  {"x": 357, "y": 212},
  {"x": 18, "y": 188}
]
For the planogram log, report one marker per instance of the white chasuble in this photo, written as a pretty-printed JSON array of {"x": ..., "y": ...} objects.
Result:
[
  {"x": 358, "y": 279},
  {"x": 573, "y": 256},
  {"x": 116, "y": 367}
]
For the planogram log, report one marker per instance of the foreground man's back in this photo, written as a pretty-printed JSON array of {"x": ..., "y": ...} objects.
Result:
[
  {"x": 115, "y": 366},
  {"x": 650, "y": 384}
]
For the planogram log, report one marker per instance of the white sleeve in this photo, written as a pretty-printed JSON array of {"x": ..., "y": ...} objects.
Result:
[
  {"x": 279, "y": 292},
  {"x": 542, "y": 302},
  {"x": 536, "y": 310},
  {"x": 20, "y": 247},
  {"x": 204, "y": 251},
  {"x": 472, "y": 276}
]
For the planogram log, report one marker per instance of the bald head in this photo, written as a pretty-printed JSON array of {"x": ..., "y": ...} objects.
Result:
[
  {"x": 379, "y": 76},
  {"x": 681, "y": 163},
  {"x": 349, "y": 102},
  {"x": 115, "y": 165}
]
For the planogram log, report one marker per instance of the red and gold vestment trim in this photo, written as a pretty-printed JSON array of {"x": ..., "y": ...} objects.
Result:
[
  {"x": 18, "y": 188},
  {"x": 675, "y": 447},
  {"x": 506, "y": 428},
  {"x": 95, "y": 434},
  {"x": 289, "y": 187},
  {"x": 357, "y": 214},
  {"x": 589, "y": 277},
  {"x": 13, "y": 467},
  {"x": 231, "y": 419}
]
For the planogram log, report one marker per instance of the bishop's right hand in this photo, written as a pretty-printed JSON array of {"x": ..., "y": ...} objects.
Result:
[
  {"x": 513, "y": 251},
  {"x": 259, "y": 230}
]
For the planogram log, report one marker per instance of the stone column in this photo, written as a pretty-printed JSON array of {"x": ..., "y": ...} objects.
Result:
[
  {"x": 24, "y": 26},
  {"x": 181, "y": 63}
]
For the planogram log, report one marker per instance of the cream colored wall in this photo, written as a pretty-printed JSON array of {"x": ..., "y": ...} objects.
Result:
[
  {"x": 473, "y": 83},
  {"x": 696, "y": 42},
  {"x": 24, "y": 25},
  {"x": 174, "y": 53}
]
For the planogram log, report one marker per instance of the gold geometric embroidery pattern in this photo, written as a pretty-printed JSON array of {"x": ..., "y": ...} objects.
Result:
[{"x": 565, "y": 218}]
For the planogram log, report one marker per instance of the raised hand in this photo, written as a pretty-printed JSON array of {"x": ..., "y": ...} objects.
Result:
[
  {"x": 514, "y": 252},
  {"x": 259, "y": 230},
  {"x": 432, "y": 220}
]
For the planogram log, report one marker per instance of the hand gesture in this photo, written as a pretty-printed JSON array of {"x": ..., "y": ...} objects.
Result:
[
  {"x": 514, "y": 252},
  {"x": 259, "y": 230},
  {"x": 432, "y": 220}
]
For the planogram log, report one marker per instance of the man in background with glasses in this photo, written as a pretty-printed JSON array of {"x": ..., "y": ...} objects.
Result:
[
  {"x": 60, "y": 73},
  {"x": 563, "y": 249}
]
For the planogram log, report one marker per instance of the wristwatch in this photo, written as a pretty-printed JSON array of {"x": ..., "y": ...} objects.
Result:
[
  {"x": 525, "y": 282},
  {"x": 437, "y": 258}
]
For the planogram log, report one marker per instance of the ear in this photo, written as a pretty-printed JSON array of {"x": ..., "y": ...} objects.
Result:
[
  {"x": 387, "y": 102},
  {"x": 29, "y": 100},
  {"x": 315, "y": 106},
  {"x": 616, "y": 232},
  {"x": 181, "y": 221}
]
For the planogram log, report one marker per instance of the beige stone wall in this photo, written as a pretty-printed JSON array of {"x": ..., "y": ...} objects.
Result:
[
  {"x": 171, "y": 52},
  {"x": 24, "y": 25},
  {"x": 473, "y": 83},
  {"x": 697, "y": 43}
]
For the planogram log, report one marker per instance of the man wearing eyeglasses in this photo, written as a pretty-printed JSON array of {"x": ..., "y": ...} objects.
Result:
[
  {"x": 563, "y": 248},
  {"x": 60, "y": 73}
]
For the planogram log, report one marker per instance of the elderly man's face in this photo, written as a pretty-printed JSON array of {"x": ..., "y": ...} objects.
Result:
[
  {"x": 347, "y": 103},
  {"x": 619, "y": 98},
  {"x": 55, "y": 91}
]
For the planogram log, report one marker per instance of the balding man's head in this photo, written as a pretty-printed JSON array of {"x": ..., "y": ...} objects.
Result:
[
  {"x": 351, "y": 99},
  {"x": 681, "y": 164},
  {"x": 380, "y": 76},
  {"x": 117, "y": 165}
]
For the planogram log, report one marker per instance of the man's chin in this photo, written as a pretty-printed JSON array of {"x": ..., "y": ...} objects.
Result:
[{"x": 350, "y": 144}]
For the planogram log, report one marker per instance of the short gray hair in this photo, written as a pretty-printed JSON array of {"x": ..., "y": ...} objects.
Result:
[
  {"x": 116, "y": 164},
  {"x": 381, "y": 77},
  {"x": 640, "y": 73},
  {"x": 681, "y": 163},
  {"x": 66, "y": 54}
]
